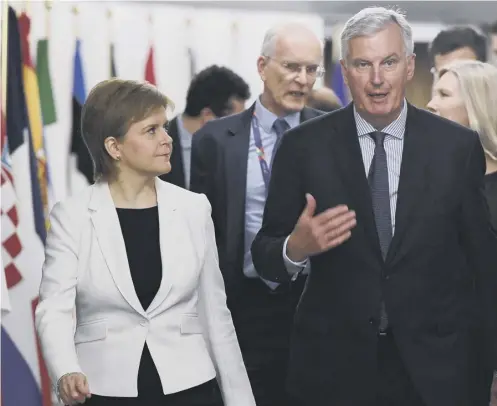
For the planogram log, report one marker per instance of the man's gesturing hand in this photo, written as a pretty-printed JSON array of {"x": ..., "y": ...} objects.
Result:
[{"x": 316, "y": 234}]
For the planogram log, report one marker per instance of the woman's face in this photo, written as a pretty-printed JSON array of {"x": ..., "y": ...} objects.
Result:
[
  {"x": 447, "y": 100},
  {"x": 146, "y": 148}
]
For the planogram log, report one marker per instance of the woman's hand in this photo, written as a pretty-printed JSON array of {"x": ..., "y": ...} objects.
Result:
[{"x": 74, "y": 389}]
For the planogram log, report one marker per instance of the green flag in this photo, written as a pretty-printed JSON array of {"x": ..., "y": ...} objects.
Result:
[{"x": 48, "y": 111}]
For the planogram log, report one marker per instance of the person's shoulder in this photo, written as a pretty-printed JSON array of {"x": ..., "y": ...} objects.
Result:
[
  {"x": 446, "y": 131},
  {"x": 219, "y": 127},
  {"x": 184, "y": 199},
  {"x": 77, "y": 202},
  {"x": 321, "y": 119}
]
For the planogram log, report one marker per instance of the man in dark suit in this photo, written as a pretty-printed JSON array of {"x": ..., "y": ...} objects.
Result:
[
  {"x": 214, "y": 92},
  {"x": 400, "y": 307},
  {"x": 231, "y": 164}
]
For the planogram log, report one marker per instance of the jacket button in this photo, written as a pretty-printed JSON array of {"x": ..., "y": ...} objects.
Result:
[{"x": 144, "y": 323}]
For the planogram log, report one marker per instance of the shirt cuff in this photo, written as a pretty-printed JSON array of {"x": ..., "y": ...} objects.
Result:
[{"x": 293, "y": 268}]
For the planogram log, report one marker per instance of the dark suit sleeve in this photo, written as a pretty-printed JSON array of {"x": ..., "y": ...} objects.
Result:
[
  {"x": 285, "y": 202},
  {"x": 480, "y": 243},
  {"x": 203, "y": 161}
]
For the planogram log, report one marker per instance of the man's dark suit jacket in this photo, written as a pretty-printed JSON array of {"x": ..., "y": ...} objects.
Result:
[
  {"x": 219, "y": 169},
  {"x": 177, "y": 174},
  {"x": 439, "y": 280}
]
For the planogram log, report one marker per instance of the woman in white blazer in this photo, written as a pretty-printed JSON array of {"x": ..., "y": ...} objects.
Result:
[{"x": 132, "y": 305}]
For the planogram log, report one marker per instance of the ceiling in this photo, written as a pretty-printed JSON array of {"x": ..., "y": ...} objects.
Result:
[{"x": 447, "y": 12}]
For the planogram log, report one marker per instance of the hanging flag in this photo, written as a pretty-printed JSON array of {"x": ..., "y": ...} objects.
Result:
[
  {"x": 48, "y": 111},
  {"x": 338, "y": 85},
  {"x": 23, "y": 234},
  {"x": 149, "y": 68},
  {"x": 32, "y": 94},
  {"x": 83, "y": 163},
  {"x": 113, "y": 71},
  {"x": 11, "y": 244}
]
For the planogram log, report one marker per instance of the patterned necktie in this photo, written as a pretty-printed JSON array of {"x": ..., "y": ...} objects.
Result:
[
  {"x": 380, "y": 195},
  {"x": 280, "y": 126}
]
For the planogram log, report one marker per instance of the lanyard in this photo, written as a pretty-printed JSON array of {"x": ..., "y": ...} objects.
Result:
[{"x": 261, "y": 155}]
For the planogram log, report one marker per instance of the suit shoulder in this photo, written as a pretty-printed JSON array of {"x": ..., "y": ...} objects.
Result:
[
  {"x": 220, "y": 126},
  {"x": 185, "y": 199},
  {"x": 78, "y": 202},
  {"x": 319, "y": 120},
  {"x": 447, "y": 130}
]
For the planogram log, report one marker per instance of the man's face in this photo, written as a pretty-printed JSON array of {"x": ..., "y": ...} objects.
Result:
[
  {"x": 461, "y": 54},
  {"x": 377, "y": 70},
  {"x": 290, "y": 73}
]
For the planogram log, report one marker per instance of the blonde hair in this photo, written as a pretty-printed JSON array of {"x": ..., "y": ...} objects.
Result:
[{"x": 478, "y": 82}]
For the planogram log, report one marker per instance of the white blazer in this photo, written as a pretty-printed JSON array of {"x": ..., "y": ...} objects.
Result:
[{"x": 187, "y": 327}]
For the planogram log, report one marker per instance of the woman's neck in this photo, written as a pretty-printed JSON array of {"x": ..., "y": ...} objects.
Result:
[{"x": 134, "y": 193}]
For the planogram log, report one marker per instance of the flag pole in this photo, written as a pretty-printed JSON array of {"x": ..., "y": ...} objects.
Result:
[
  {"x": 48, "y": 8},
  {"x": 5, "y": 48}
]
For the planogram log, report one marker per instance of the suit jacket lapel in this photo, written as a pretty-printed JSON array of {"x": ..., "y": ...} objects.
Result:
[
  {"x": 236, "y": 157},
  {"x": 169, "y": 243},
  {"x": 308, "y": 113},
  {"x": 108, "y": 231},
  {"x": 412, "y": 181},
  {"x": 350, "y": 164}
]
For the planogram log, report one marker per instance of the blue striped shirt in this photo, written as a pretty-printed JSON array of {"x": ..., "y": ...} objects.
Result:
[{"x": 394, "y": 145}]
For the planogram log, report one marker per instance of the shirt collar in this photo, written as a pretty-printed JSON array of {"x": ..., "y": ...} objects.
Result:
[
  {"x": 396, "y": 128},
  {"x": 181, "y": 127},
  {"x": 267, "y": 119}
]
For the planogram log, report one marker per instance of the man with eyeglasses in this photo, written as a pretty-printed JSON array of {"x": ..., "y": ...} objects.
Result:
[{"x": 231, "y": 164}]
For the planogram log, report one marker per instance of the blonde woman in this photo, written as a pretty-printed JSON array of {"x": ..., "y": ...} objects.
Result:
[
  {"x": 136, "y": 257},
  {"x": 466, "y": 93}
]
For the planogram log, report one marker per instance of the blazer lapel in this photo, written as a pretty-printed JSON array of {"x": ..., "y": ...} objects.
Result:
[
  {"x": 236, "y": 157},
  {"x": 350, "y": 164},
  {"x": 108, "y": 231},
  {"x": 413, "y": 178},
  {"x": 168, "y": 242}
]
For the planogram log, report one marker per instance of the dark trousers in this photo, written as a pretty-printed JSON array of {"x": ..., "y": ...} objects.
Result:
[
  {"x": 395, "y": 388},
  {"x": 267, "y": 373},
  {"x": 263, "y": 321},
  {"x": 206, "y": 394}
]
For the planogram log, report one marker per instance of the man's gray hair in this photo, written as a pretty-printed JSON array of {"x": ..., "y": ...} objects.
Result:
[
  {"x": 280, "y": 30},
  {"x": 269, "y": 42},
  {"x": 371, "y": 20}
]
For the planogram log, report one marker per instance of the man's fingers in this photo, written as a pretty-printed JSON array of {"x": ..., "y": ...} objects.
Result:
[
  {"x": 335, "y": 242},
  {"x": 331, "y": 214},
  {"x": 310, "y": 206},
  {"x": 338, "y": 226}
]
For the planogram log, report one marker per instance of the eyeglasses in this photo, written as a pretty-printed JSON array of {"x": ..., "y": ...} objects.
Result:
[{"x": 294, "y": 68}]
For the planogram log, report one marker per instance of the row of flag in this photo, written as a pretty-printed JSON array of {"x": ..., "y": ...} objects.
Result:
[{"x": 27, "y": 197}]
